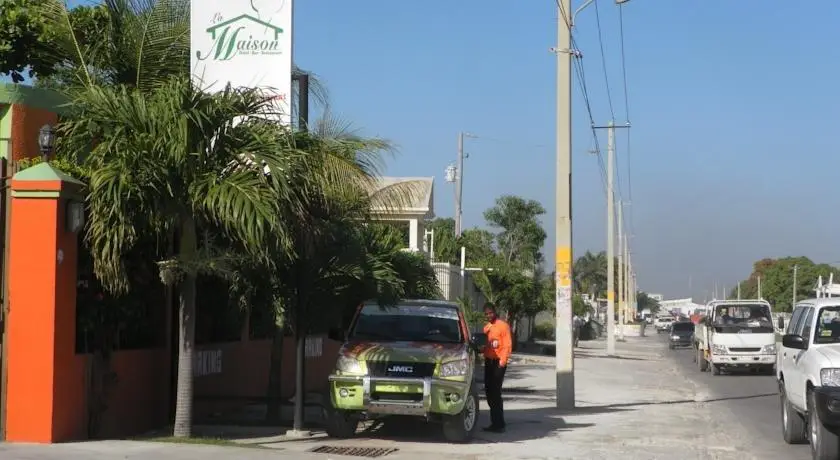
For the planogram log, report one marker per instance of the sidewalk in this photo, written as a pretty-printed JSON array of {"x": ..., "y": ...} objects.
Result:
[{"x": 636, "y": 406}]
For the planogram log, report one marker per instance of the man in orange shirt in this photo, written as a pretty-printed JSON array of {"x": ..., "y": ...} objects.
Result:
[{"x": 496, "y": 356}]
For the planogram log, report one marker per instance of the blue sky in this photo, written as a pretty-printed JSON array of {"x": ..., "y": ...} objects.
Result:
[
  {"x": 734, "y": 108},
  {"x": 733, "y": 105}
]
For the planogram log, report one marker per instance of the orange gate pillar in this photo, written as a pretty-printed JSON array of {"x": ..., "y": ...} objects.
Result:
[{"x": 45, "y": 393}]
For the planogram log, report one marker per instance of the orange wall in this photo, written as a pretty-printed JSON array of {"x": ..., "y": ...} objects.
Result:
[{"x": 26, "y": 122}]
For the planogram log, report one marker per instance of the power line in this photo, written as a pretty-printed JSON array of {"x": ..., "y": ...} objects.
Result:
[
  {"x": 626, "y": 112},
  {"x": 604, "y": 60}
]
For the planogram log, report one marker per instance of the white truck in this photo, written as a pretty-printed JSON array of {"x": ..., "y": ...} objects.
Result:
[
  {"x": 735, "y": 334},
  {"x": 808, "y": 371}
]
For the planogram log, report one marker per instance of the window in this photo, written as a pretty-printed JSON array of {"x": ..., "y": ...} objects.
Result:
[
  {"x": 806, "y": 325},
  {"x": 408, "y": 323},
  {"x": 828, "y": 326},
  {"x": 794, "y": 319}
]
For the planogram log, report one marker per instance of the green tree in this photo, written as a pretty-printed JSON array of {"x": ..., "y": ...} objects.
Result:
[
  {"x": 644, "y": 301},
  {"x": 777, "y": 280},
  {"x": 521, "y": 235}
]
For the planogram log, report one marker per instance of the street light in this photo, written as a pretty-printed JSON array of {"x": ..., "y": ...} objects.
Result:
[{"x": 46, "y": 140}]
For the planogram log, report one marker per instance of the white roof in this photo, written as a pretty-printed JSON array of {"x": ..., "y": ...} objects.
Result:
[
  {"x": 822, "y": 302},
  {"x": 404, "y": 195}
]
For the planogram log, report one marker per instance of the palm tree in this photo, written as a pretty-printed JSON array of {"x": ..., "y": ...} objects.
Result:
[
  {"x": 590, "y": 273},
  {"x": 174, "y": 160}
]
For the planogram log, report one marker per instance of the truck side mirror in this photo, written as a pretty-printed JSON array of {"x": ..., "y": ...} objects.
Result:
[
  {"x": 794, "y": 341},
  {"x": 479, "y": 340},
  {"x": 781, "y": 323}
]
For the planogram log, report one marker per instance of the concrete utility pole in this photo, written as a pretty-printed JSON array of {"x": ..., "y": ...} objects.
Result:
[
  {"x": 759, "y": 287},
  {"x": 622, "y": 270},
  {"x": 459, "y": 181},
  {"x": 626, "y": 287},
  {"x": 564, "y": 349},
  {"x": 795, "y": 272},
  {"x": 739, "y": 290},
  {"x": 610, "y": 240}
]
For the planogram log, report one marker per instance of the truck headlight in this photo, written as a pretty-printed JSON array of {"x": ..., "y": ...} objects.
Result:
[
  {"x": 830, "y": 377},
  {"x": 454, "y": 368},
  {"x": 675, "y": 337},
  {"x": 769, "y": 349},
  {"x": 347, "y": 365},
  {"x": 719, "y": 350}
]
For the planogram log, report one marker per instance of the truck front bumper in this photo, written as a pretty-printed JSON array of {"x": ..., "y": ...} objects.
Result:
[
  {"x": 398, "y": 395},
  {"x": 744, "y": 360},
  {"x": 827, "y": 401}
]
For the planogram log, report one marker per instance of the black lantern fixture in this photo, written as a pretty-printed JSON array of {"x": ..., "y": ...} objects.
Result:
[{"x": 46, "y": 140}]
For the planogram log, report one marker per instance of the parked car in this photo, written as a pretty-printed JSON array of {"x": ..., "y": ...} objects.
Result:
[
  {"x": 662, "y": 323},
  {"x": 808, "y": 372},
  {"x": 415, "y": 359}
]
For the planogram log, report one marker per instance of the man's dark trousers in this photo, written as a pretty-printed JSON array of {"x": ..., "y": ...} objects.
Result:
[{"x": 494, "y": 376}]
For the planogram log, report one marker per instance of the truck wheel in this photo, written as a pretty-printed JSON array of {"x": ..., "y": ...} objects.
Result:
[
  {"x": 825, "y": 445},
  {"x": 462, "y": 426},
  {"x": 715, "y": 369},
  {"x": 793, "y": 425},
  {"x": 341, "y": 424}
]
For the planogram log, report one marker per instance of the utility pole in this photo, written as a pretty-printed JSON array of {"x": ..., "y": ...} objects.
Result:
[
  {"x": 793, "y": 302},
  {"x": 622, "y": 269},
  {"x": 759, "y": 288},
  {"x": 564, "y": 351},
  {"x": 626, "y": 287},
  {"x": 725, "y": 294},
  {"x": 610, "y": 240},
  {"x": 459, "y": 183},
  {"x": 739, "y": 290}
]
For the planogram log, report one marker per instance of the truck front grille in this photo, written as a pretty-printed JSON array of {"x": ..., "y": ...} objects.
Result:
[
  {"x": 400, "y": 369},
  {"x": 744, "y": 350}
]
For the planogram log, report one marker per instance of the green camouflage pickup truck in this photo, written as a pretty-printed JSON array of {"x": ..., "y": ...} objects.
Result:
[{"x": 414, "y": 359}]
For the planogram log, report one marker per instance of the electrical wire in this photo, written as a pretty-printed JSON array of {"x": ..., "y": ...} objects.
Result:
[
  {"x": 626, "y": 111},
  {"x": 604, "y": 59}
]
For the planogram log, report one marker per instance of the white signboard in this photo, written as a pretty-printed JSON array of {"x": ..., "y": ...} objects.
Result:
[{"x": 244, "y": 43}]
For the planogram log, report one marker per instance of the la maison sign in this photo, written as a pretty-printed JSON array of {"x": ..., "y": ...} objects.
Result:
[{"x": 245, "y": 43}]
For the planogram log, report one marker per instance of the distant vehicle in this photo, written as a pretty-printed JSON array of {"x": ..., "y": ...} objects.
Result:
[
  {"x": 682, "y": 334},
  {"x": 808, "y": 371},
  {"x": 662, "y": 323},
  {"x": 736, "y": 334}
]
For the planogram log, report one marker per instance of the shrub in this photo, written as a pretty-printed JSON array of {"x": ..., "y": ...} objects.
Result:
[{"x": 544, "y": 331}]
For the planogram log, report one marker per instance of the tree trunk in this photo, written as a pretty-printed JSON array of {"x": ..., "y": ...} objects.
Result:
[
  {"x": 186, "y": 336},
  {"x": 300, "y": 352},
  {"x": 275, "y": 372}
]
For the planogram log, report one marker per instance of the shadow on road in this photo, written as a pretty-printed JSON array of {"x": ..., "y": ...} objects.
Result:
[{"x": 522, "y": 425}]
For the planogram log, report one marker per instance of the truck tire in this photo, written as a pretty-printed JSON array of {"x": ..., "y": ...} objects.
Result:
[
  {"x": 341, "y": 424},
  {"x": 825, "y": 445},
  {"x": 793, "y": 425},
  {"x": 461, "y": 427},
  {"x": 715, "y": 368}
]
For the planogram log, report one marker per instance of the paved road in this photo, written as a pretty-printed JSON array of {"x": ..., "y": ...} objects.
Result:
[{"x": 753, "y": 399}]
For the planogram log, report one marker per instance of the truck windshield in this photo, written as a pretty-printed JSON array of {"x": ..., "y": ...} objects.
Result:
[
  {"x": 409, "y": 323},
  {"x": 828, "y": 326},
  {"x": 741, "y": 318}
]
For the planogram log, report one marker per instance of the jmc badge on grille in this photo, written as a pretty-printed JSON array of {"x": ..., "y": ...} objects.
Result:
[{"x": 402, "y": 369}]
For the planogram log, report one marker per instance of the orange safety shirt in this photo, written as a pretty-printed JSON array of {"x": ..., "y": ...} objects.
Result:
[{"x": 499, "y": 341}]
